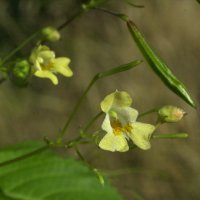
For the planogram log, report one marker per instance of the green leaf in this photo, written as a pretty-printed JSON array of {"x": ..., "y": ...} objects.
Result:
[
  {"x": 198, "y": 1},
  {"x": 47, "y": 176},
  {"x": 158, "y": 65},
  {"x": 3, "y": 197}
]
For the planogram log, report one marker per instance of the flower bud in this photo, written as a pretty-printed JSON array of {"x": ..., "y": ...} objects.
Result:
[
  {"x": 21, "y": 69},
  {"x": 51, "y": 33},
  {"x": 113, "y": 113},
  {"x": 170, "y": 114}
]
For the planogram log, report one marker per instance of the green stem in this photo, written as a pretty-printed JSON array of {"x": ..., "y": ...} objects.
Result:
[
  {"x": 148, "y": 112},
  {"x": 119, "y": 69},
  {"x": 158, "y": 124},
  {"x": 81, "y": 157},
  {"x": 170, "y": 136},
  {"x": 60, "y": 136},
  {"x": 20, "y": 46},
  {"x": 84, "y": 9},
  {"x": 40, "y": 150},
  {"x": 98, "y": 133},
  {"x": 93, "y": 120},
  {"x": 99, "y": 176},
  {"x": 70, "y": 144},
  {"x": 86, "y": 142},
  {"x": 108, "y": 11},
  {"x": 136, "y": 6}
]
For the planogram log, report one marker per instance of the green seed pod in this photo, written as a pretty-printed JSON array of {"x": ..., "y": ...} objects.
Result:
[{"x": 158, "y": 65}]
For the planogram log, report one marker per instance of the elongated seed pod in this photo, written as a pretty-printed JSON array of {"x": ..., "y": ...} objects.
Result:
[{"x": 158, "y": 65}]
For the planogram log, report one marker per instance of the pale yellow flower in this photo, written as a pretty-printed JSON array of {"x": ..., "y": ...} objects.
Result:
[
  {"x": 120, "y": 124},
  {"x": 45, "y": 65}
]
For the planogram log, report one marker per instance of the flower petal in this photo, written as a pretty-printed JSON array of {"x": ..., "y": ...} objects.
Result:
[
  {"x": 110, "y": 142},
  {"x": 47, "y": 74},
  {"x": 42, "y": 55},
  {"x": 140, "y": 134},
  {"x": 61, "y": 65},
  {"x": 47, "y": 57},
  {"x": 106, "y": 126},
  {"x": 43, "y": 48},
  {"x": 126, "y": 114},
  {"x": 33, "y": 56},
  {"x": 116, "y": 99}
]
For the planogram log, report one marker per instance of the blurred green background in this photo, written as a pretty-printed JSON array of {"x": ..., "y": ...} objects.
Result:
[{"x": 96, "y": 42}]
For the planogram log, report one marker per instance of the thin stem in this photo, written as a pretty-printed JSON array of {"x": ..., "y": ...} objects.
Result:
[
  {"x": 93, "y": 120},
  {"x": 80, "y": 12},
  {"x": 24, "y": 156},
  {"x": 86, "y": 142},
  {"x": 100, "y": 75},
  {"x": 136, "y": 6},
  {"x": 149, "y": 112},
  {"x": 107, "y": 11},
  {"x": 81, "y": 157},
  {"x": 99, "y": 176},
  {"x": 20, "y": 46},
  {"x": 121, "y": 16},
  {"x": 60, "y": 136},
  {"x": 98, "y": 133},
  {"x": 70, "y": 143},
  {"x": 158, "y": 124},
  {"x": 84, "y": 9},
  {"x": 170, "y": 136}
]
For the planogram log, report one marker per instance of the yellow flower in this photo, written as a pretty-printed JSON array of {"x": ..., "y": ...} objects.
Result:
[
  {"x": 45, "y": 64},
  {"x": 120, "y": 124}
]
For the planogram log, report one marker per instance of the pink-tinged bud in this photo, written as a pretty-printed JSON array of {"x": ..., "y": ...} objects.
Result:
[
  {"x": 51, "y": 33},
  {"x": 170, "y": 114}
]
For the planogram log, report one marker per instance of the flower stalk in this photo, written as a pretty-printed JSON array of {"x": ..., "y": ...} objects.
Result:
[
  {"x": 19, "y": 47},
  {"x": 98, "y": 174},
  {"x": 98, "y": 76}
]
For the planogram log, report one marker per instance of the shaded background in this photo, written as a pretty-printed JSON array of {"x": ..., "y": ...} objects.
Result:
[{"x": 97, "y": 42}]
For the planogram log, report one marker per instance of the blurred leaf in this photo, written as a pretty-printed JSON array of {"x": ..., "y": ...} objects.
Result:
[
  {"x": 3, "y": 197},
  {"x": 47, "y": 176},
  {"x": 158, "y": 65},
  {"x": 198, "y": 1}
]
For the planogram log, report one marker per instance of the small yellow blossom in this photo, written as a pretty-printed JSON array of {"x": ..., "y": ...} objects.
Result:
[
  {"x": 120, "y": 124},
  {"x": 45, "y": 64}
]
